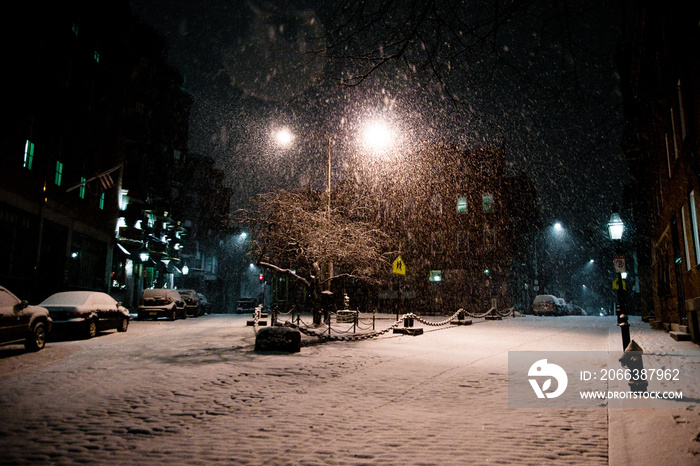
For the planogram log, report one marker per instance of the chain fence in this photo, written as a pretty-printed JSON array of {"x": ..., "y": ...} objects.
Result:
[{"x": 367, "y": 326}]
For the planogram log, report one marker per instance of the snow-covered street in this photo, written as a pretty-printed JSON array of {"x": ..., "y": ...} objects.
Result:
[{"x": 194, "y": 392}]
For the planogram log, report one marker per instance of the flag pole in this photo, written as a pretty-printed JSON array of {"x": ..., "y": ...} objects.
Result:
[{"x": 105, "y": 173}]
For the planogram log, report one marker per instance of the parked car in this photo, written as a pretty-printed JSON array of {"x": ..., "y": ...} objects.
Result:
[
  {"x": 204, "y": 304},
  {"x": 161, "y": 302},
  {"x": 20, "y": 322},
  {"x": 246, "y": 305},
  {"x": 546, "y": 305},
  {"x": 87, "y": 312},
  {"x": 191, "y": 302}
]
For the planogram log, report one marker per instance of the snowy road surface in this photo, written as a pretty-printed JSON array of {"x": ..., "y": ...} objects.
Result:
[{"x": 194, "y": 392}]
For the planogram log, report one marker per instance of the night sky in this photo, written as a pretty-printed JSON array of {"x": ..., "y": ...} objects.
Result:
[{"x": 240, "y": 61}]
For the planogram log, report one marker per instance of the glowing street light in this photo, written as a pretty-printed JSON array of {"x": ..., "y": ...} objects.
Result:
[
  {"x": 376, "y": 136},
  {"x": 615, "y": 225}
]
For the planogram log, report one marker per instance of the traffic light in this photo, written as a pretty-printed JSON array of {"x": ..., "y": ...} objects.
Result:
[{"x": 261, "y": 277}]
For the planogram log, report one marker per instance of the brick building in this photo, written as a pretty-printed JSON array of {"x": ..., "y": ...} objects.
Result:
[{"x": 659, "y": 63}]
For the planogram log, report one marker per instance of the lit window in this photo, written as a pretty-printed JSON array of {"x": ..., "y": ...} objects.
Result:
[
  {"x": 461, "y": 205},
  {"x": 74, "y": 28},
  {"x": 435, "y": 276},
  {"x": 96, "y": 56},
  {"x": 28, "y": 154},
  {"x": 59, "y": 173},
  {"x": 488, "y": 202},
  {"x": 123, "y": 199},
  {"x": 102, "y": 201}
]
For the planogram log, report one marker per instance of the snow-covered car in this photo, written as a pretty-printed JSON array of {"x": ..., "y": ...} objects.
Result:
[
  {"x": 161, "y": 302},
  {"x": 246, "y": 305},
  {"x": 204, "y": 304},
  {"x": 86, "y": 312},
  {"x": 545, "y": 305},
  {"x": 191, "y": 302},
  {"x": 20, "y": 322}
]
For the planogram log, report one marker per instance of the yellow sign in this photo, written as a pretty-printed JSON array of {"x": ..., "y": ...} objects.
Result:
[
  {"x": 399, "y": 266},
  {"x": 616, "y": 284}
]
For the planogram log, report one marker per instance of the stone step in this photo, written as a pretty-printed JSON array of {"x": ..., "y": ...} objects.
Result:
[
  {"x": 680, "y": 336},
  {"x": 679, "y": 328}
]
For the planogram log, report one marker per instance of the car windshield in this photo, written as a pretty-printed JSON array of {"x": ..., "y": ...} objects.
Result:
[
  {"x": 74, "y": 298},
  {"x": 155, "y": 293}
]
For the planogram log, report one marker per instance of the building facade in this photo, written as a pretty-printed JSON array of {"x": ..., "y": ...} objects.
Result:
[
  {"x": 95, "y": 170},
  {"x": 660, "y": 69},
  {"x": 453, "y": 219}
]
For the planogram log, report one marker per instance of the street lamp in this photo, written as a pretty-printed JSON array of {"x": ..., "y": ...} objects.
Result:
[
  {"x": 375, "y": 135},
  {"x": 615, "y": 229}
]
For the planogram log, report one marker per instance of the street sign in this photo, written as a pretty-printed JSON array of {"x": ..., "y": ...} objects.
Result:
[
  {"x": 616, "y": 284},
  {"x": 619, "y": 264},
  {"x": 399, "y": 267}
]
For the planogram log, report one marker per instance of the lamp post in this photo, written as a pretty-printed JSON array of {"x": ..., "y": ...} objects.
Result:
[{"x": 615, "y": 230}]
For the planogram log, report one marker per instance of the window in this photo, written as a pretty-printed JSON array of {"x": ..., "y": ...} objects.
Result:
[
  {"x": 82, "y": 187},
  {"x": 102, "y": 201},
  {"x": 462, "y": 205},
  {"x": 694, "y": 225},
  {"x": 437, "y": 242},
  {"x": 74, "y": 28},
  {"x": 436, "y": 204},
  {"x": 28, "y": 154},
  {"x": 668, "y": 155},
  {"x": 59, "y": 173},
  {"x": 96, "y": 56},
  {"x": 488, "y": 203},
  {"x": 489, "y": 239},
  {"x": 463, "y": 241},
  {"x": 685, "y": 228},
  {"x": 681, "y": 112},
  {"x": 435, "y": 276},
  {"x": 675, "y": 136},
  {"x": 123, "y": 199}
]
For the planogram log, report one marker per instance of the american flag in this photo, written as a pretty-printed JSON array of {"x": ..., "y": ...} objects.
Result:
[{"x": 106, "y": 181}]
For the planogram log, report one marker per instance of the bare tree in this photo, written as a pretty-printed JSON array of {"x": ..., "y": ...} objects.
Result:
[
  {"x": 293, "y": 234},
  {"x": 441, "y": 39}
]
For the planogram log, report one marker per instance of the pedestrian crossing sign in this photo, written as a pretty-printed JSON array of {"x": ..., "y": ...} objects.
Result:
[{"x": 399, "y": 266}]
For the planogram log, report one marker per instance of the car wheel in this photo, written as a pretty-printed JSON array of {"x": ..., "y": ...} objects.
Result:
[
  {"x": 36, "y": 340},
  {"x": 124, "y": 325},
  {"x": 91, "y": 329},
  {"x": 172, "y": 315}
]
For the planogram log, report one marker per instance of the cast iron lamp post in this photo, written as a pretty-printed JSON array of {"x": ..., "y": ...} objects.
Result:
[{"x": 615, "y": 229}]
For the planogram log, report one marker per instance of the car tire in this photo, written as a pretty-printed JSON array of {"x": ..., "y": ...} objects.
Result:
[
  {"x": 172, "y": 315},
  {"x": 123, "y": 325},
  {"x": 36, "y": 340},
  {"x": 91, "y": 329}
]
